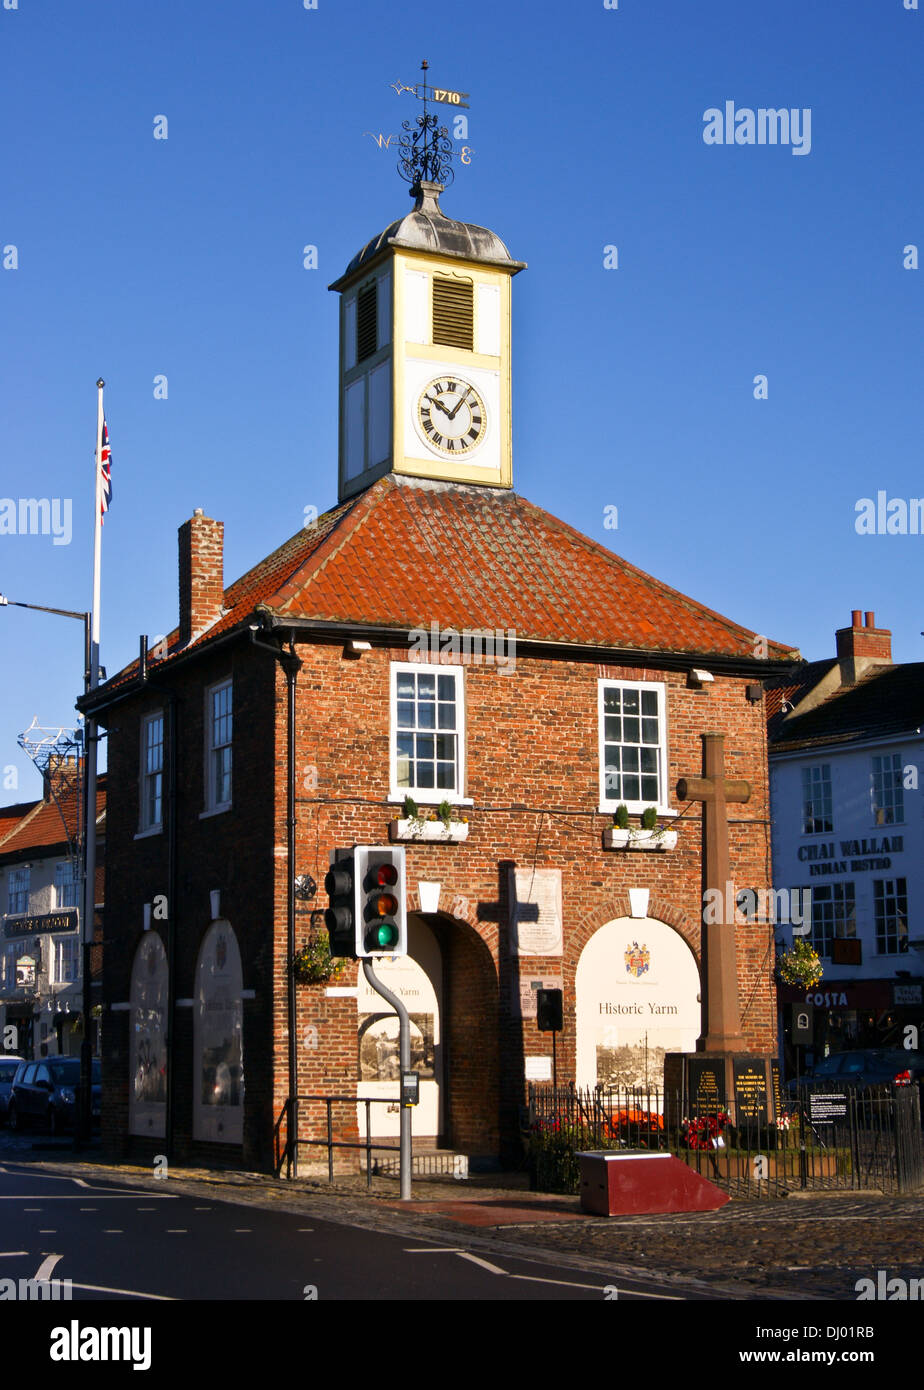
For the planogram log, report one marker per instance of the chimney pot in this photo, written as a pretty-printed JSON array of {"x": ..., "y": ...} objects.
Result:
[
  {"x": 871, "y": 620},
  {"x": 857, "y": 617}
]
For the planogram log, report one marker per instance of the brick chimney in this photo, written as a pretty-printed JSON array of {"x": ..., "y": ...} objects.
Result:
[
  {"x": 861, "y": 646},
  {"x": 201, "y": 574}
]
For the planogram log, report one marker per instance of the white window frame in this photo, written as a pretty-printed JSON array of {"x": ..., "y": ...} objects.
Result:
[
  {"x": 428, "y": 796},
  {"x": 73, "y": 878},
  {"x": 897, "y": 791},
  {"x": 820, "y": 791},
  {"x": 146, "y": 826},
  {"x": 212, "y": 805},
  {"x": 23, "y": 878},
  {"x": 57, "y": 955},
  {"x": 609, "y": 803}
]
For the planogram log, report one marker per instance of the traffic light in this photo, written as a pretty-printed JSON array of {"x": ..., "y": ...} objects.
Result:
[
  {"x": 340, "y": 916},
  {"x": 379, "y": 915}
]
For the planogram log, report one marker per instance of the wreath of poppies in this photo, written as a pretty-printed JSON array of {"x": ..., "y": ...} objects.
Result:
[{"x": 704, "y": 1131}]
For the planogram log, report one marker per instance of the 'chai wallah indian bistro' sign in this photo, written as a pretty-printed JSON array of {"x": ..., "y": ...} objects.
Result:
[
  {"x": 856, "y": 856},
  {"x": 637, "y": 998}
]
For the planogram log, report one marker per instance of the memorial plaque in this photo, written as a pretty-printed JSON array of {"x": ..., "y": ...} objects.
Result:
[
  {"x": 750, "y": 1092},
  {"x": 778, "y": 1106},
  {"x": 706, "y": 1085},
  {"x": 535, "y": 912}
]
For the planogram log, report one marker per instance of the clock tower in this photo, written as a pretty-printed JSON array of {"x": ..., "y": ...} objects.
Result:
[{"x": 425, "y": 352}]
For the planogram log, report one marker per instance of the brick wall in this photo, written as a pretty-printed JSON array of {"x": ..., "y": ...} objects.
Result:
[{"x": 532, "y": 771}]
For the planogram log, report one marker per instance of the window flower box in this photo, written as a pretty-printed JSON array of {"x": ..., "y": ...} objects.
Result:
[
  {"x": 635, "y": 838},
  {"x": 411, "y": 828}
]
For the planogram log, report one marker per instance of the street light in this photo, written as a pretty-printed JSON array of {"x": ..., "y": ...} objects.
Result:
[{"x": 83, "y": 1127}]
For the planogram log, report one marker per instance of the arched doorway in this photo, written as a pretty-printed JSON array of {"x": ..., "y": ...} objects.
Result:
[
  {"x": 417, "y": 980},
  {"x": 638, "y": 996},
  {"x": 218, "y": 1060},
  {"x": 147, "y": 1048}
]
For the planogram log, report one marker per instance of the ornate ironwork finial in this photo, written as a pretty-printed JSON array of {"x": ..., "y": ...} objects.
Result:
[{"x": 425, "y": 147}]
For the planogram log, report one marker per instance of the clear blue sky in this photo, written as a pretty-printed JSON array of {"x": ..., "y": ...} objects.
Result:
[{"x": 632, "y": 387}]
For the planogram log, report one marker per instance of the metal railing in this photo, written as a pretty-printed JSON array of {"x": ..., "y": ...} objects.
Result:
[
  {"x": 854, "y": 1139},
  {"x": 284, "y": 1151}
]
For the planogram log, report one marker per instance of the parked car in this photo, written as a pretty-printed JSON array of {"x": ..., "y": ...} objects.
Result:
[
  {"x": 8, "y": 1069},
  {"x": 872, "y": 1066},
  {"x": 46, "y": 1093}
]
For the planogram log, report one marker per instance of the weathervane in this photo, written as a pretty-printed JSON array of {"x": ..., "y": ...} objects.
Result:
[{"x": 426, "y": 149}]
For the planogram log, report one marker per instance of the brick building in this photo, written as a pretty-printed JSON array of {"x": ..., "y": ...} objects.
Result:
[
  {"x": 41, "y": 966},
  {"x": 445, "y": 640}
]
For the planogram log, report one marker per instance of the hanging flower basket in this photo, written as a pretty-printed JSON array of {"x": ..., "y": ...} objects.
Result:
[
  {"x": 800, "y": 966},
  {"x": 313, "y": 964}
]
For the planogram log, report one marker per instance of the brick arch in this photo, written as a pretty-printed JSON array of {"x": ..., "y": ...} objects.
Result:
[
  {"x": 469, "y": 1027},
  {"x": 619, "y": 906}
]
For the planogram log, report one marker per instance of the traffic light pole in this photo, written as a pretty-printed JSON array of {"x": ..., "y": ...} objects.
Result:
[{"x": 404, "y": 1036}]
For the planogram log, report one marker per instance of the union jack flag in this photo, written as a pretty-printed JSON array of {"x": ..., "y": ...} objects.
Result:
[{"x": 106, "y": 475}]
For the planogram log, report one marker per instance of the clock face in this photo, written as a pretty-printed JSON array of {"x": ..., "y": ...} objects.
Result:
[{"x": 451, "y": 416}]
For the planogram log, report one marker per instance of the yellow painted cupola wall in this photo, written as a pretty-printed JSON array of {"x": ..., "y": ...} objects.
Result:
[{"x": 425, "y": 352}]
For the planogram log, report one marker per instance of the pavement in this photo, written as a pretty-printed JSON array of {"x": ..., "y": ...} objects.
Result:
[{"x": 815, "y": 1246}]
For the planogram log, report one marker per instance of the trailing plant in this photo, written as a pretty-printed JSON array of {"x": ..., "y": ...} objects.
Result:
[
  {"x": 313, "y": 963},
  {"x": 800, "y": 965}
]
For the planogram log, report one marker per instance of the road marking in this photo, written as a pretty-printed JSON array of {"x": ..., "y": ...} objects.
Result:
[
  {"x": 73, "y": 1196},
  {"x": 304, "y": 1229},
  {"x": 530, "y": 1278},
  {"x": 177, "y": 1231},
  {"x": 89, "y": 1208},
  {"x": 243, "y": 1230},
  {"x": 113, "y": 1231},
  {"x": 145, "y": 1208},
  {"x": 32, "y": 1208},
  {"x": 493, "y": 1269},
  {"x": 47, "y": 1231},
  {"x": 202, "y": 1208},
  {"x": 47, "y": 1265},
  {"x": 128, "y": 1293},
  {"x": 8, "y": 1254}
]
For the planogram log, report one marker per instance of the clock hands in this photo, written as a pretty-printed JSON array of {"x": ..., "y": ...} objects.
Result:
[
  {"x": 438, "y": 403},
  {"x": 456, "y": 408}
]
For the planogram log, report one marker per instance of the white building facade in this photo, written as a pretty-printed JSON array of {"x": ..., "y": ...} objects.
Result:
[{"x": 846, "y": 762}]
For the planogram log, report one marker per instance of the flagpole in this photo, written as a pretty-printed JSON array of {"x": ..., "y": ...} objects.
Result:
[{"x": 84, "y": 1126}]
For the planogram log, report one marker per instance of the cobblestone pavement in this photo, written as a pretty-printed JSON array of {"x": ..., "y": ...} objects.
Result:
[{"x": 797, "y": 1247}]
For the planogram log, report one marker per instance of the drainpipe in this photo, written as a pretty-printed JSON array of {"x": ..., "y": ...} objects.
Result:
[{"x": 291, "y": 664}]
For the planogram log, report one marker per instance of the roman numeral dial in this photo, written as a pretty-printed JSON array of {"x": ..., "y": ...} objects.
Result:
[{"x": 451, "y": 416}]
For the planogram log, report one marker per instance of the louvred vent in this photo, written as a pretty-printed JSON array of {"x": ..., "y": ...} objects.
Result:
[
  {"x": 453, "y": 313},
  {"x": 366, "y": 323}
]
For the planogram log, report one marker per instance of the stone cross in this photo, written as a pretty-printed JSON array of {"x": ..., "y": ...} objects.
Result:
[{"x": 714, "y": 790}]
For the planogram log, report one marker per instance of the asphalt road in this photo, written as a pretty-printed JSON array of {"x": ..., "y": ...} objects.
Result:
[{"x": 116, "y": 1242}]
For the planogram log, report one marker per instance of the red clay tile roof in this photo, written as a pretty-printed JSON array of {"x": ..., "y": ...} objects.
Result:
[
  {"x": 43, "y": 827},
  {"x": 410, "y": 551}
]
